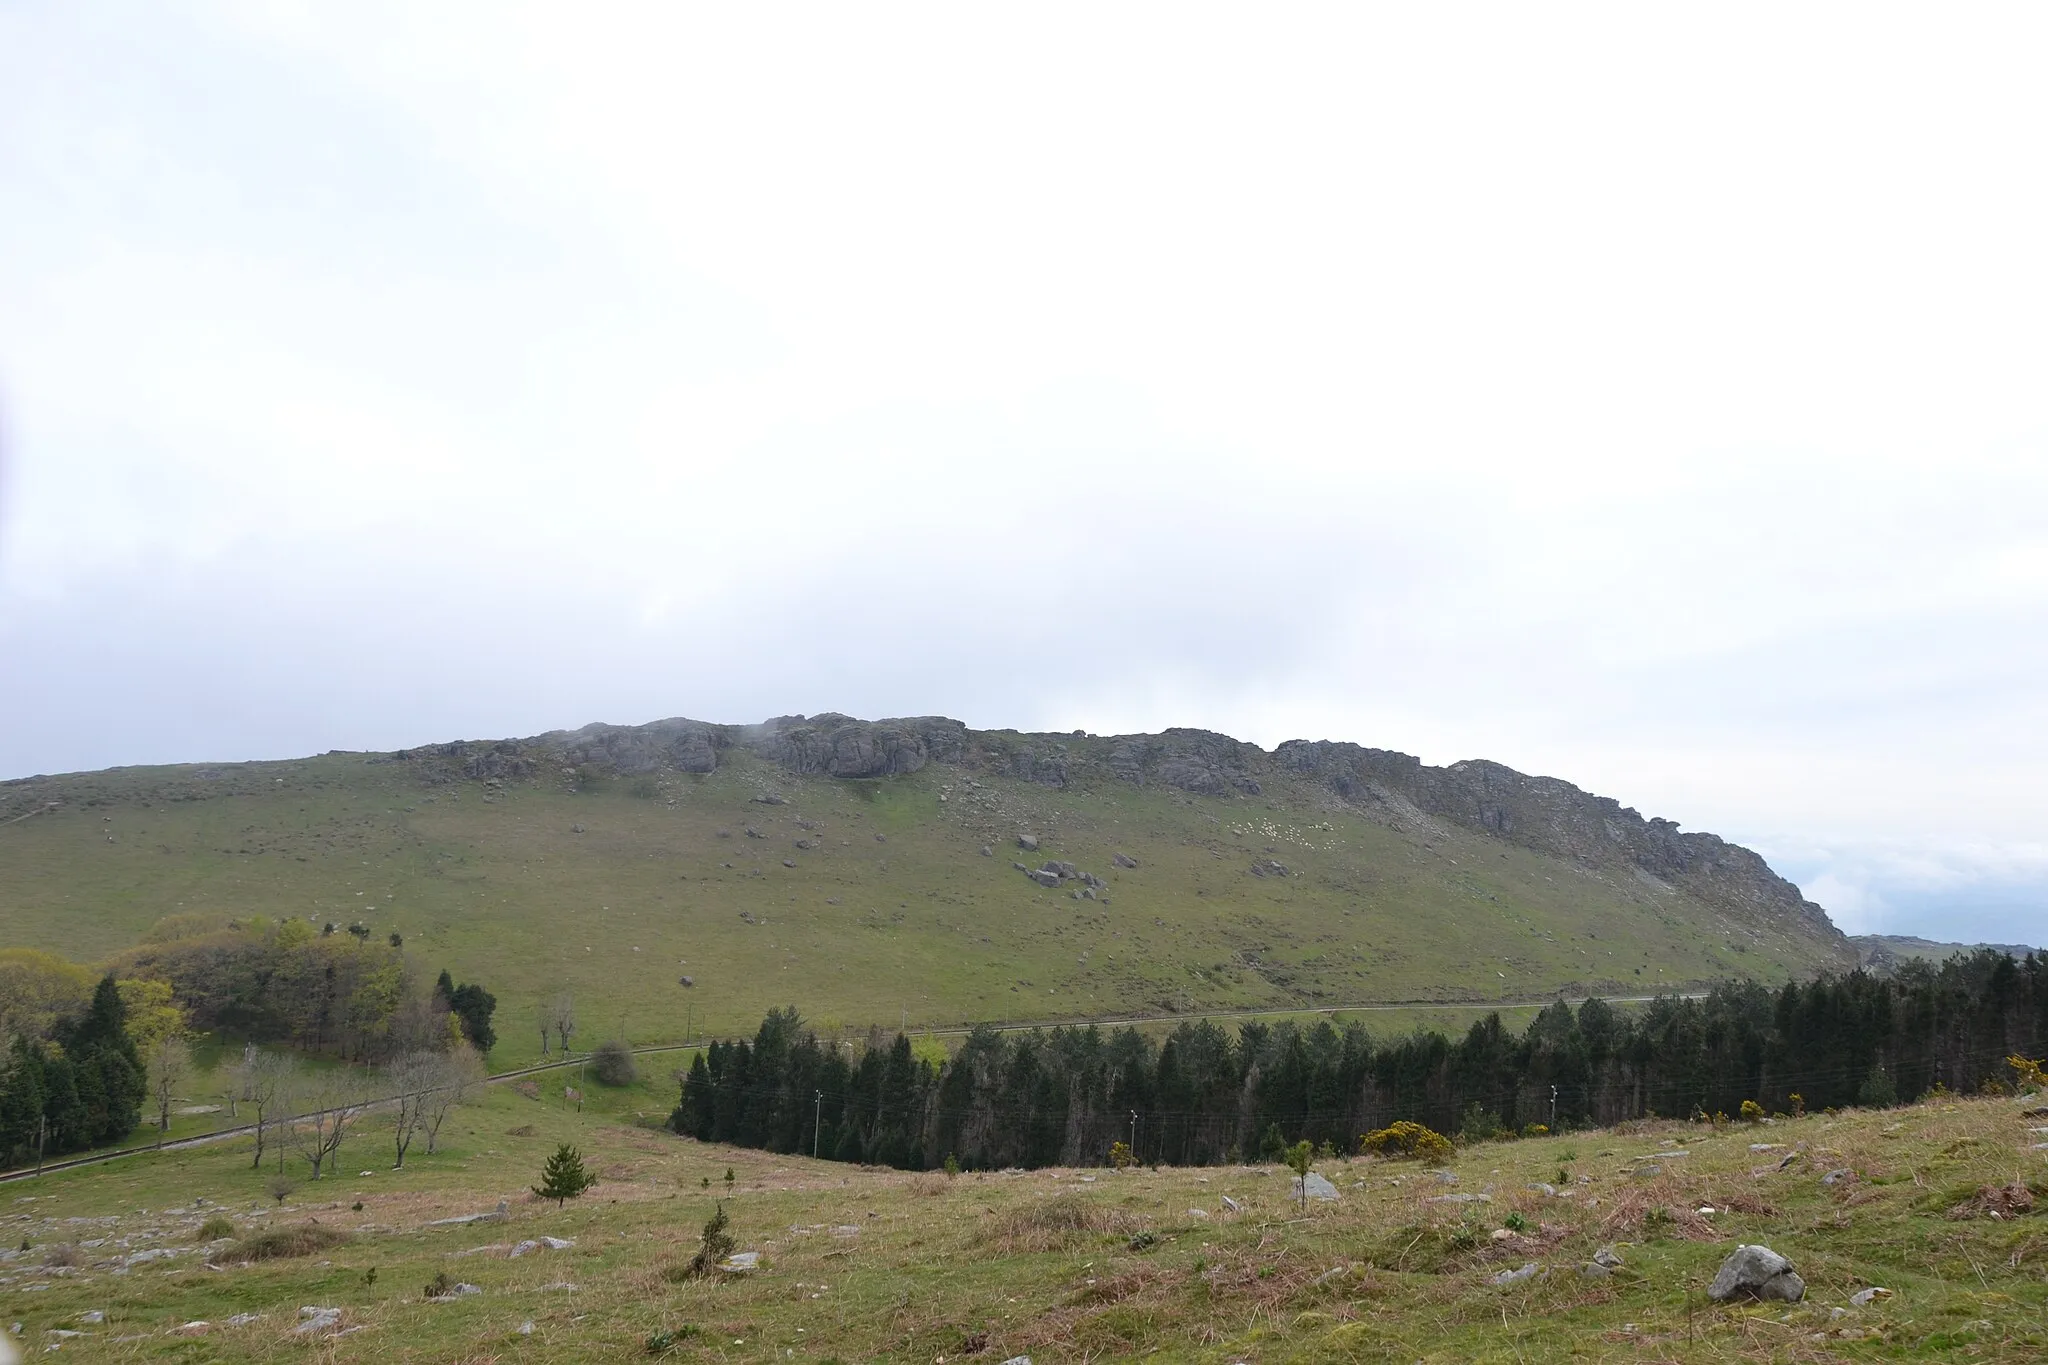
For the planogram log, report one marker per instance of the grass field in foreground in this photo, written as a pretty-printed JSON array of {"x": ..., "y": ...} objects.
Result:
[{"x": 878, "y": 1265}]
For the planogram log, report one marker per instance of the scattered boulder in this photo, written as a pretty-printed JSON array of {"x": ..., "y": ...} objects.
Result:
[
  {"x": 1232, "y": 1204},
  {"x": 1508, "y": 1277},
  {"x": 753, "y": 833},
  {"x": 1042, "y": 877},
  {"x": 987, "y": 852},
  {"x": 1028, "y": 842},
  {"x": 1269, "y": 868},
  {"x": 312, "y": 1320},
  {"x": 770, "y": 799},
  {"x": 741, "y": 1261},
  {"x": 543, "y": 1244},
  {"x": 1317, "y": 1187},
  {"x": 1756, "y": 1272},
  {"x": 1198, "y": 1213},
  {"x": 1863, "y": 1298},
  {"x": 1839, "y": 1176},
  {"x": 1124, "y": 860}
]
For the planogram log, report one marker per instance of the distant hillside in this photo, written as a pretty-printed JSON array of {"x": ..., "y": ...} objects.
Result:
[
  {"x": 1886, "y": 952},
  {"x": 875, "y": 872}
]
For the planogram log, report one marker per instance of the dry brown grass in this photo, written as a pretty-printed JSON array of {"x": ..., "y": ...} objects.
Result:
[
  {"x": 2011, "y": 1200},
  {"x": 1055, "y": 1224},
  {"x": 299, "y": 1239},
  {"x": 63, "y": 1254}
]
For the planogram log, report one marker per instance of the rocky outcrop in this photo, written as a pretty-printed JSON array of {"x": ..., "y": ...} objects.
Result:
[
  {"x": 840, "y": 746},
  {"x": 1552, "y": 816},
  {"x": 1543, "y": 814}
]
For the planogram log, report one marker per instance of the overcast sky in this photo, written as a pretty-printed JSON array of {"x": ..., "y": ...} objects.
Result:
[{"x": 1655, "y": 398}]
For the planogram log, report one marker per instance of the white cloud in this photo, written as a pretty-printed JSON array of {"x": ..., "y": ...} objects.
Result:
[{"x": 1616, "y": 394}]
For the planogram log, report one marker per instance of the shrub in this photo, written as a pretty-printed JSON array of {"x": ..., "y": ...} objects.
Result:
[
  {"x": 1535, "y": 1130},
  {"x": 63, "y": 1254},
  {"x": 613, "y": 1064},
  {"x": 215, "y": 1228},
  {"x": 280, "y": 1187},
  {"x": 273, "y": 1244},
  {"x": 1056, "y": 1224},
  {"x": 717, "y": 1244},
  {"x": 1878, "y": 1091},
  {"x": 438, "y": 1287},
  {"x": 1406, "y": 1140},
  {"x": 1480, "y": 1125},
  {"x": 1120, "y": 1156},
  {"x": 1752, "y": 1112},
  {"x": 669, "y": 1339},
  {"x": 2028, "y": 1073}
]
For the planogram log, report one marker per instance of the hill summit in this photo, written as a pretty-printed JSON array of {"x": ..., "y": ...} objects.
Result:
[{"x": 915, "y": 870}]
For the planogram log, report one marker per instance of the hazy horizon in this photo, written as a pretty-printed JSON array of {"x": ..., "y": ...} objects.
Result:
[{"x": 1647, "y": 400}]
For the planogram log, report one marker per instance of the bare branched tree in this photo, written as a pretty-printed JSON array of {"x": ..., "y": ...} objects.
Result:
[
  {"x": 168, "y": 1065},
  {"x": 332, "y": 1100},
  {"x": 412, "y": 1078},
  {"x": 265, "y": 1080},
  {"x": 461, "y": 1071},
  {"x": 564, "y": 1010}
]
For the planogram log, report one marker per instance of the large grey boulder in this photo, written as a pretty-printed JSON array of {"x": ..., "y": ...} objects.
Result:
[
  {"x": 1756, "y": 1272},
  {"x": 1043, "y": 877},
  {"x": 1318, "y": 1188}
]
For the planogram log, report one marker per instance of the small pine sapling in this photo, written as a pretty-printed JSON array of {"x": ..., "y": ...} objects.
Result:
[
  {"x": 718, "y": 1244},
  {"x": 563, "y": 1177},
  {"x": 1300, "y": 1157}
]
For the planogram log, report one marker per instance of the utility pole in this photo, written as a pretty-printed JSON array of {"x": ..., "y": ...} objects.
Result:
[
  {"x": 817, "y": 1121},
  {"x": 1134, "y": 1135},
  {"x": 1553, "y": 1108}
]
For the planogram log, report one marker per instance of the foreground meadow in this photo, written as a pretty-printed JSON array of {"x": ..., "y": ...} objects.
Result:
[{"x": 117, "y": 1263}]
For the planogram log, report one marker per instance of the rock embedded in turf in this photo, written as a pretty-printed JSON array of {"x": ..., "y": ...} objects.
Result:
[
  {"x": 1508, "y": 1277},
  {"x": 1756, "y": 1272},
  {"x": 1318, "y": 1187}
]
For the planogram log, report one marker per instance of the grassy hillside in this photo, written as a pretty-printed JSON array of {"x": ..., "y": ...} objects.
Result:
[
  {"x": 1067, "y": 1265},
  {"x": 861, "y": 901}
]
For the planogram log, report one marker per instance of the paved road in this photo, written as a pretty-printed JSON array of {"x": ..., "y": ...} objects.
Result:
[{"x": 957, "y": 1031}]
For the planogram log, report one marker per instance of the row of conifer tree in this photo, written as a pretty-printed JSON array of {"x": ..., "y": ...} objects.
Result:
[
  {"x": 1204, "y": 1095},
  {"x": 85, "y": 1092}
]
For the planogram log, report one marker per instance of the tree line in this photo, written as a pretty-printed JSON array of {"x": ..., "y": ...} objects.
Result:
[
  {"x": 83, "y": 1062},
  {"x": 284, "y": 981},
  {"x": 1203, "y": 1095}
]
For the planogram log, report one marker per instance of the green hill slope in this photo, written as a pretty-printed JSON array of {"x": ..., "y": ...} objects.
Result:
[{"x": 868, "y": 873}]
